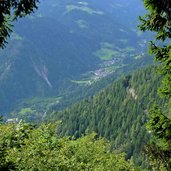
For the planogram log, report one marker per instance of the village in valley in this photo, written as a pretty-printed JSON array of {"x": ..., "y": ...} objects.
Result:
[{"x": 107, "y": 67}]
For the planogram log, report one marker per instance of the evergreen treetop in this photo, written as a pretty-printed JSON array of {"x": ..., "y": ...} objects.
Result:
[{"x": 158, "y": 20}]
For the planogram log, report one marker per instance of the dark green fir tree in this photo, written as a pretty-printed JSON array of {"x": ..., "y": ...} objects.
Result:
[{"x": 158, "y": 20}]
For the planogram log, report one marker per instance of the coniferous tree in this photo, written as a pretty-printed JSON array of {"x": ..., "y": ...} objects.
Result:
[{"x": 158, "y": 19}]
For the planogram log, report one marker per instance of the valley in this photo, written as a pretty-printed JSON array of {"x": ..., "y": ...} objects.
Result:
[
  {"x": 79, "y": 89},
  {"x": 111, "y": 63},
  {"x": 72, "y": 44}
]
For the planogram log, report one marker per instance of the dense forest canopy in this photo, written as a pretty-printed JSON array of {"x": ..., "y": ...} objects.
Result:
[{"x": 119, "y": 113}]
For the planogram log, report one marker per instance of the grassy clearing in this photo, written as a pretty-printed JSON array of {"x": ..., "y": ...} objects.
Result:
[
  {"x": 81, "y": 82},
  {"x": 138, "y": 56},
  {"x": 129, "y": 49},
  {"x": 106, "y": 54},
  {"x": 86, "y": 9},
  {"x": 82, "y": 24},
  {"x": 40, "y": 100}
]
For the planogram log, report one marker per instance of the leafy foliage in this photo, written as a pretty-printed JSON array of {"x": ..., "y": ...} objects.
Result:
[
  {"x": 11, "y": 10},
  {"x": 23, "y": 147}
]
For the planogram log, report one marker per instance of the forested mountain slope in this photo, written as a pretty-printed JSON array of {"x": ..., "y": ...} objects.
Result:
[
  {"x": 67, "y": 43},
  {"x": 118, "y": 113}
]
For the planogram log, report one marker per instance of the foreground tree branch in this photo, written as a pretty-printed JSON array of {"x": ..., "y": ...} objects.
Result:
[{"x": 11, "y": 10}]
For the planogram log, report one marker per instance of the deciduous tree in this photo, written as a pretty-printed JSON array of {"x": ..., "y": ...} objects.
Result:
[{"x": 11, "y": 10}]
